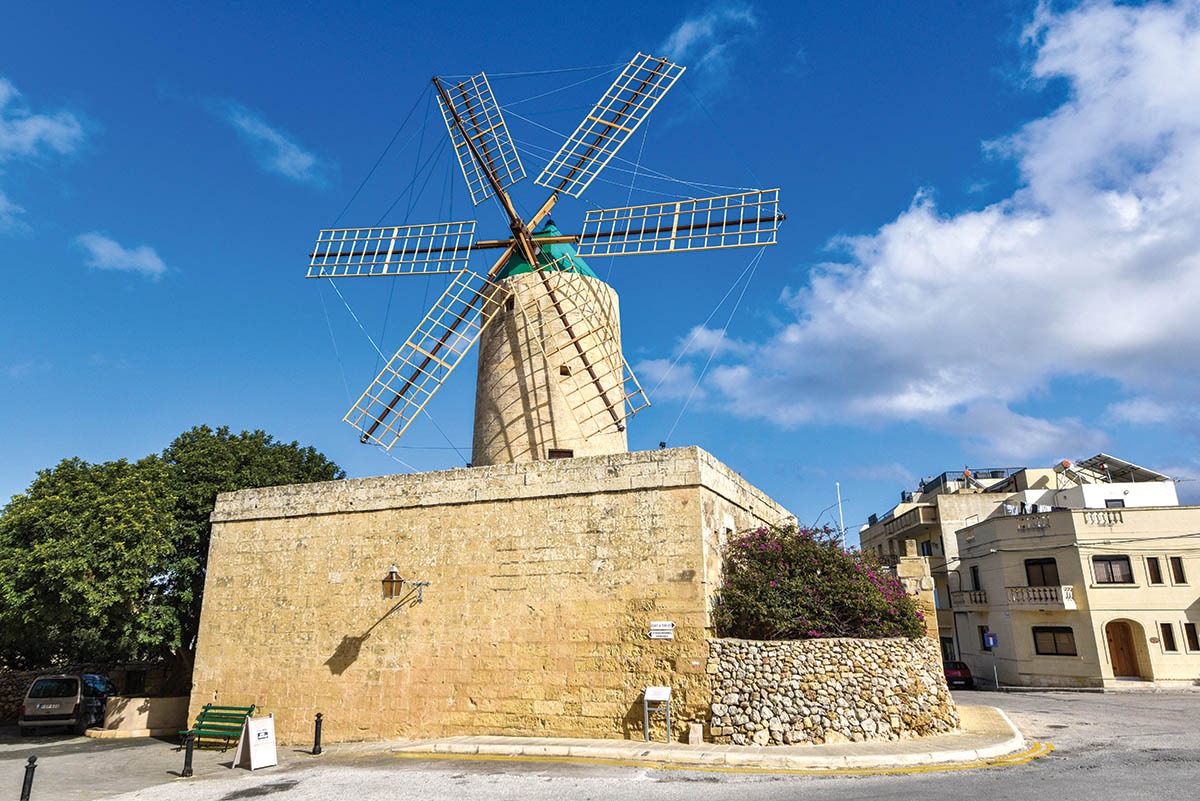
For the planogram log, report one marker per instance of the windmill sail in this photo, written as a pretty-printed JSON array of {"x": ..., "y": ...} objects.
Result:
[
  {"x": 396, "y": 250},
  {"x": 421, "y": 366},
  {"x": 633, "y": 95},
  {"x": 475, "y": 107},
  {"x": 727, "y": 221}
]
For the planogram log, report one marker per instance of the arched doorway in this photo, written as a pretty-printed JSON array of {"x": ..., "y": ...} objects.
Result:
[{"x": 1122, "y": 648}]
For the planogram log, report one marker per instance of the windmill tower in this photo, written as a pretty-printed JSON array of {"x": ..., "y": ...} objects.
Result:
[{"x": 552, "y": 381}]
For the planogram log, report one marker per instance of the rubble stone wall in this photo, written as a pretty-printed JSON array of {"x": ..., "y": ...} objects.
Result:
[{"x": 827, "y": 691}]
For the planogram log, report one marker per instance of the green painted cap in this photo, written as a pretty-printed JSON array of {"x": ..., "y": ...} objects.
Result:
[{"x": 554, "y": 256}]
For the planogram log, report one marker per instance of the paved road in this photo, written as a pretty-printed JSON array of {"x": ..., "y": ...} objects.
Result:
[{"x": 1107, "y": 747}]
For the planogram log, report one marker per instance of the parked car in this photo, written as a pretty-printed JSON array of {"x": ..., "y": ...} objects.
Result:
[
  {"x": 73, "y": 700},
  {"x": 958, "y": 674}
]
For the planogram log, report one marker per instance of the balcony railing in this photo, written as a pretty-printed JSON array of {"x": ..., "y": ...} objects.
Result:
[
  {"x": 1103, "y": 517},
  {"x": 1062, "y": 597},
  {"x": 917, "y": 517},
  {"x": 966, "y": 598}
]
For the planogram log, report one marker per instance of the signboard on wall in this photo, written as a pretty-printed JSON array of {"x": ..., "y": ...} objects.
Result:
[{"x": 662, "y": 630}]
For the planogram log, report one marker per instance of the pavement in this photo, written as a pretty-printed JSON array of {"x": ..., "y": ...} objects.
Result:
[
  {"x": 987, "y": 738},
  {"x": 986, "y": 735}
]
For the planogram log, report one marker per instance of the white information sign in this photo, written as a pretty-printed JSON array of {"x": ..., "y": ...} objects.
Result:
[
  {"x": 662, "y": 630},
  {"x": 256, "y": 746}
]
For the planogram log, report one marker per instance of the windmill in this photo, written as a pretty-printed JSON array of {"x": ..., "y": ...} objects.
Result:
[{"x": 552, "y": 381}]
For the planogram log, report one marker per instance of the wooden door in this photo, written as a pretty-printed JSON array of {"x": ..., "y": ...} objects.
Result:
[{"x": 1120, "y": 649}]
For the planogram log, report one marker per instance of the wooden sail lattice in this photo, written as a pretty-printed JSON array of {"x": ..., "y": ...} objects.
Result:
[
  {"x": 746, "y": 219},
  {"x": 483, "y": 124},
  {"x": 430, "y": 249},
  {"x": 405, "y": 385},
  {"x": 610, "y": 123}
]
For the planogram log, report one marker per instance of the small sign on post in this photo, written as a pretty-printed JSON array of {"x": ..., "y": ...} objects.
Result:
[
  {"x": 256, "y": 746},
  {"x": 656, "y": 700},
  {"x": 662, "y": 630}
]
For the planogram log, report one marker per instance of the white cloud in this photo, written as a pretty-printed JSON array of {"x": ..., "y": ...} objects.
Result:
[
  {"x": 26, "y": 135},
  {"x": 705, "y": 42},
  {"x": 104, "y": 253},
  {"x": 8, "y": 215},
  {"x": 276, "y": 152},
  {"x": 1089, "y": 271}
]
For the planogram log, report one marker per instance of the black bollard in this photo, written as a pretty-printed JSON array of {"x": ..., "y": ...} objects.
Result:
[
  {"x": 317, "y": 736},
  {"x": 187, "y": 755},
  {"x": 27, "y": 786}
]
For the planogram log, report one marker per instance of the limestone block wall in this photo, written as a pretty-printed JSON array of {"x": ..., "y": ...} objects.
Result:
[
  {"x": 544, "y": 578},
  {"x": 827, "y": 691}
]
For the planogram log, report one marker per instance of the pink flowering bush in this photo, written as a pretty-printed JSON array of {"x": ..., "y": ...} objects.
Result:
[{"x": 797, "y": 584}]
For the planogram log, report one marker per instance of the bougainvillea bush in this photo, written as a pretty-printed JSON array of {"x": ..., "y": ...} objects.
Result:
[{"x": 792, "y": 583}]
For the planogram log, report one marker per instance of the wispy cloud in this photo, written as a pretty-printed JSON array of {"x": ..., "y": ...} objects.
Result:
[
  {"x": 9, "y": 211},
  {"x": 1086, "y": 273},
  {"x": 706, "y": 42},
  {"x": 25, "y": 136},
  {"x": 104, "y": 253},
  {"x": 21, "y": 370},
  {"x": 275, "y": 150}
]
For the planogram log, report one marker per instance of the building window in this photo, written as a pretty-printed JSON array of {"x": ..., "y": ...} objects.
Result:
[
  {"x": 983, "y": 646},
  {"x": 1041, "y": 572},
  {"x": 1054, "y": 640},
  {"x": 1112, "y": 569},
  {"x": 1154, "y": 570},
  {"x": 561, "y": 453},
  {"x": 948, "y": 654},
  {"x": 1114, "y": 503},
  {"x": 926, "y": 548},
  {"x": 1189, "y": 633},
  {"x": 1177, "y": 574},
  {"x": 976, "y": 585},
  {"x": 1168, "y": 637}
]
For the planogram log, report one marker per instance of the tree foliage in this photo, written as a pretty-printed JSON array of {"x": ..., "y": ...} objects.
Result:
[
  {"x": 792, "y": 583},
  {"x": 106, "y": 562}
]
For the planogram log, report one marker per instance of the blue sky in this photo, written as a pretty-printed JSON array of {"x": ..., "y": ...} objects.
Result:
[{"x": 990, "y": 259}]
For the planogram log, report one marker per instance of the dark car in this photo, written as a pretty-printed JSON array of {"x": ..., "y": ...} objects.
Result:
[
  {"x": 72, "y": 700},
  {"x": 958, "y": 674}
]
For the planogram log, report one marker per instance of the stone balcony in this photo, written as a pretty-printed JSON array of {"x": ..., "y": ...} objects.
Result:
[
  {"x": 969, "y": 599},
  {"x": 1042, "y": 598}
]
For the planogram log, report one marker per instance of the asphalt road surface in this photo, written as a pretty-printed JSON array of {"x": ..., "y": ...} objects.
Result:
[{"x": 1107, "y": 746}]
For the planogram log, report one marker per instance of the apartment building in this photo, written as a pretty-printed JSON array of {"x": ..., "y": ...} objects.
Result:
[{"x": 1080, "y": 575}]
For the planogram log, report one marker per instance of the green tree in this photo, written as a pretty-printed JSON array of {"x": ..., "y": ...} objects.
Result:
[
  {"x": 792, "y": 583},
  {"x": 107, "y": 561},
  {"x": 83, "y": 555}
]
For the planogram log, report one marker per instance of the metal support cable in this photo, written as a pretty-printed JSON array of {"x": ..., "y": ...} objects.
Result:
[{"x": 712, "y": 355}]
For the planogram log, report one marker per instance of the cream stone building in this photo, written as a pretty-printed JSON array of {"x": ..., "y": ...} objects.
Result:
[
  {"x": 1081, "y": 575},
  {"x": 1093, "y": 597}
]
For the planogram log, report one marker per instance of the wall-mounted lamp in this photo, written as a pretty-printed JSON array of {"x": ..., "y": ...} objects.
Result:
[{"x": 393, "y": 584}]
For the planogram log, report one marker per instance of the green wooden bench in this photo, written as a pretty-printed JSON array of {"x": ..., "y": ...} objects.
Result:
[{"x": 215, "y": 721}]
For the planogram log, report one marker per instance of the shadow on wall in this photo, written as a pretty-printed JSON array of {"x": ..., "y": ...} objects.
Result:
[{"x": 347, "y": 651}]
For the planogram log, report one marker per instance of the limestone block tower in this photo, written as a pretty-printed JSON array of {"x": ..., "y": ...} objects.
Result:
[{"x": 551, "y": 378}]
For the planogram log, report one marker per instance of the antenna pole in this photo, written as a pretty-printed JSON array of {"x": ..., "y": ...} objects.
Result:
[{"x": 841, "y": 519}]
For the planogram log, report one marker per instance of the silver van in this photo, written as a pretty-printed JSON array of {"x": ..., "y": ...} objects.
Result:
[{"x": 73, "y": 700}]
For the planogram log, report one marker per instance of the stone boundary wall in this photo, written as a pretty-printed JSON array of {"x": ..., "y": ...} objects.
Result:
[
  {"x": 14, "y": 683},
  {"x": 827, "y": 691}
]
